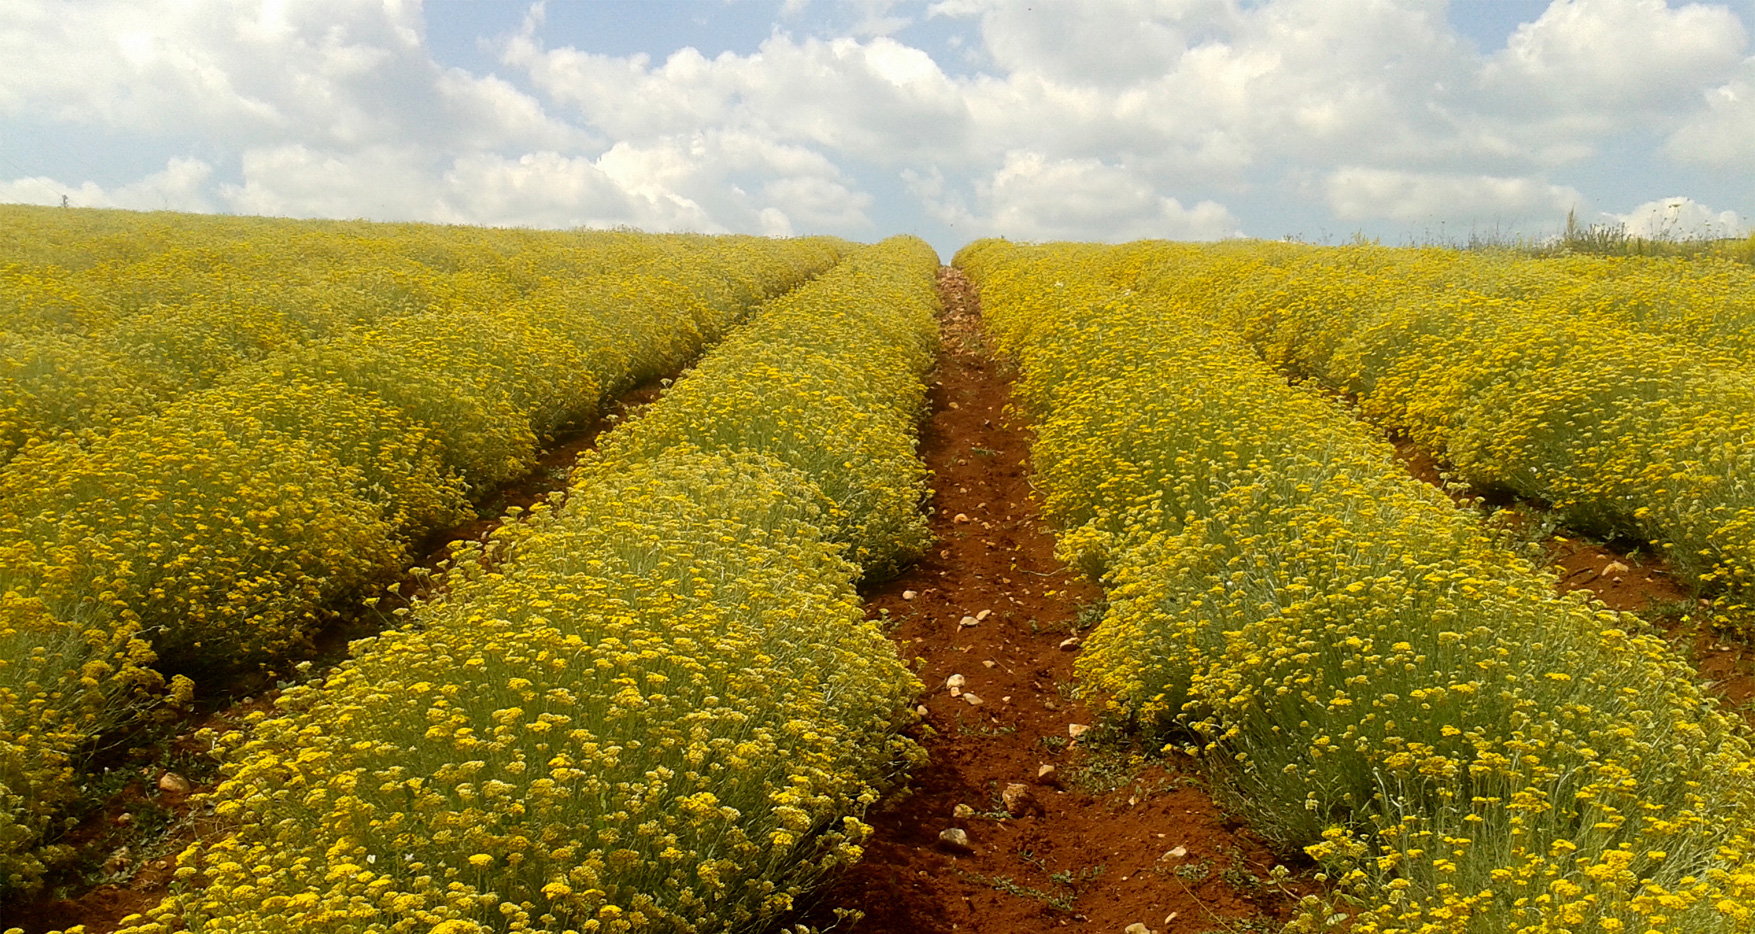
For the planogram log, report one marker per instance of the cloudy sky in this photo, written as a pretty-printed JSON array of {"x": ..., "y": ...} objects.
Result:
[{"x": 1406, "y": 120}]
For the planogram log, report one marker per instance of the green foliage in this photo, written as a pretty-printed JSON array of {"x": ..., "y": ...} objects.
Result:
[
  {"x": 657, "y": 707},
  {"x": 1373, "y": 677}
]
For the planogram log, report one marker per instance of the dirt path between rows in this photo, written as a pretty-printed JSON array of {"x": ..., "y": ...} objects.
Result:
[{"x": 1101, "y": 841}]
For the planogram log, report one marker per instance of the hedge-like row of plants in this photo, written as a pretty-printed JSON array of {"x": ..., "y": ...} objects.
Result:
[
  {"x": 107, "y": 316},
  {"x": 1619, "y": 410},
  {"x": 655, "y": 707},
  {"x": 220, "y": 532},
  {"x": 1370, "y": 675}
]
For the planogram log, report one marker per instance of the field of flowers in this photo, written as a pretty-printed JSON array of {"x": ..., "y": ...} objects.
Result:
[
  {"x": 1617, "y": 390},
  {"x": 1369, "y": 673},
  {"x": 214, "y": 531},
  {"x": 108, "y": 315},
  {"x": 655, "y": 704}
]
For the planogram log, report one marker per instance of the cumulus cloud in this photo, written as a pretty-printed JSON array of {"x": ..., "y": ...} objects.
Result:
[
  {"x": 1362, "y": 193},
  {"x": 1679, "y": 219},
  {"x": 1722, "y": 132},
  {"x": 1612, "y": 57},
  {"x": 878, "y": 97},
  {"x": 1033, "y": 197},
  {"x": 180, "y": 187},
  {"x": 1109, "y": 118}
]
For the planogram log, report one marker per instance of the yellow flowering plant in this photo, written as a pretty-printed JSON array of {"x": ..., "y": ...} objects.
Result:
[
  {"x": 1615, "y": 389},
  {"x": 656, "y": 705},
  {"x": 1370, "y": 675},
  {"x": 215, "y": 527}
]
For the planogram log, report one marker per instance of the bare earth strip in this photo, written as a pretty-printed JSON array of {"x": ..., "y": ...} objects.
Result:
[{"x": 1102, "y": 842}]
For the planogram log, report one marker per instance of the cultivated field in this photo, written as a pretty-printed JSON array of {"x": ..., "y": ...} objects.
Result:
[{"x": 734, "y": 584}]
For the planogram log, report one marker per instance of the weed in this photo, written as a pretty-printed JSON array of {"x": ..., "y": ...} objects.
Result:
[
  {"x": 1090, "y": 615},
  {"x": 1072, "y": 879},
  {"x": 1255, "y": 925},
  {"x": 984, "y": 729},
  {"x": 1010, "y": 887},
  {"x": 1194, "y": 872},
  {"x": 1240, "y": 879}
]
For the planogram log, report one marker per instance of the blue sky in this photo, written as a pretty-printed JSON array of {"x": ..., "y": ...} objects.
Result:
[{"x": 1107, "y": 119}]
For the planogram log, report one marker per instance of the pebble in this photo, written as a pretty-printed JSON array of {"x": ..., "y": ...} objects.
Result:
[
  {"x": 955, "y": 683},
  {"x": 960, "y": 518},
  {"x": 1045, "y": 775},
  {"x": 1076, "y": 730},
  {"x": 1070, "y": 644},
  {"x": 1615, "y": 567},
  {"x": 963, "y": 812},
  {"x": 921, "y": 710},
  {"x": 968, "y": 621},
  {"x": 1137, "y": 928},
  {"x": 989, "y": 663},
  {"x": 972, "y": 700},
  {"x": 1019, "y": 800},
  {"x": 173, "y": 784},
  {"x": 1169, "y": 918},
  {"x": 910, "y": 594},
  {"x": 124, "y": 818},
  {"x": 955, "y": 838},
  {"x": 982, "y": 616},
  {"x": 1177, "y": 852}
]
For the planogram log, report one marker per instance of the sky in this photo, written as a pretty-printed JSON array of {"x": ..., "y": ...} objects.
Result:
[{"x": 1407, "y": 121}]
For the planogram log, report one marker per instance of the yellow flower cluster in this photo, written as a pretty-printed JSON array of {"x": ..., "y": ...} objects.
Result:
[
  {"x": 1617, "y": 390},
  {"x": 108, "y": 315},
  {"x": 655, "y": 707},
  {"x": 216, "y": 531},
  {"x": 787, "y": 386},
  {"x": 1369, "y": 673}
]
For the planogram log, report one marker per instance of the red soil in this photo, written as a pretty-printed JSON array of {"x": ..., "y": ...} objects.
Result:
[
  {"x": 1636, "y": 582},
  {"x": 1129, "y": 843},
  {"x": 1110, "y": 839}
]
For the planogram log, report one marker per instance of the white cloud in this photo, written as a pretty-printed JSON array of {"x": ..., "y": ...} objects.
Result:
[
  {"x": 309, "y": 72},
  {"x": 1032, "y": 197},
  {"x": 376, "y": 183},
  {"x": 1679, "y": 219},
  {"x": 543, "y": 189},
  {"x": 1362, "y": 193},
  {"x": 1613, "y": 57},
  {"x": 1722, "y": 133},
  {"x": 1095, "y": 42},
  {"x": 180, "y": 187},
  {"x": 1105, "y": 118},
  {"x": 679, "y": 184},
  {"x": 880, "y": 98}
]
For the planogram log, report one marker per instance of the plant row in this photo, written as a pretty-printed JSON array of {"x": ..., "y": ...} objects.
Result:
[
  {"x": 1370, "y": 674},
  {"x": 1626, "y": 429},
  {"x": 86, "y": 344},
  {"x": 655, "y": 704},
  {"x": 217, "y": 534}
]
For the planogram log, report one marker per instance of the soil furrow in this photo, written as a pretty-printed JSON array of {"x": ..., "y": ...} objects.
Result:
[{"x": 1061, "y": 831}]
